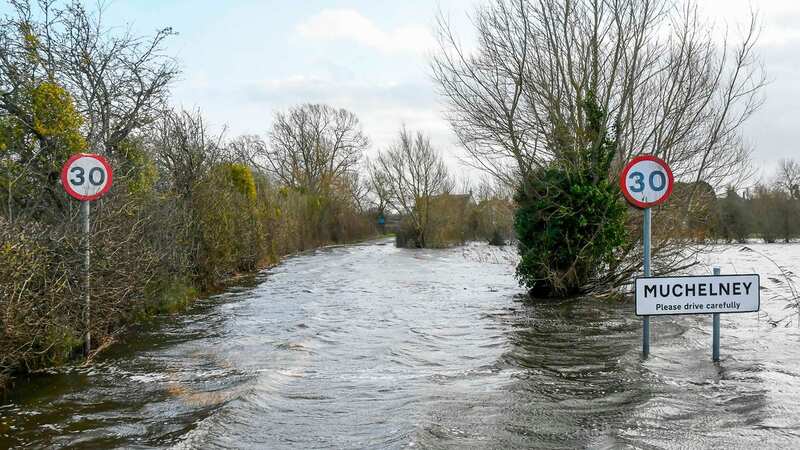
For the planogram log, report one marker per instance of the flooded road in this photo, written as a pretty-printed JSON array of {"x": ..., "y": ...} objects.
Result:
[{"x": 370, "y": 346}]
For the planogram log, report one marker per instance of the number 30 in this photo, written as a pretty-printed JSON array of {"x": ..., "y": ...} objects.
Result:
[
  {"x": 96, "y": 176},
  {"x": 657, "y": 181}
]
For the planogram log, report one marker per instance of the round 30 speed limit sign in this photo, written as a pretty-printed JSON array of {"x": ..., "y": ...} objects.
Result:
[
  {"x": 86, "y": 176},
  {"x": 646, "y": 181}
]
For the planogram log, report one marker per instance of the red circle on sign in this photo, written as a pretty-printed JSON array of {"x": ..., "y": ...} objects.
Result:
[
  {"x": 623, "y": 176},
  {"x": 68, "y": 187}
]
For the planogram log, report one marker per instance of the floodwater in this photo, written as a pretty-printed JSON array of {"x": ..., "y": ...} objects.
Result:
[{"x": 369, "y": 346}]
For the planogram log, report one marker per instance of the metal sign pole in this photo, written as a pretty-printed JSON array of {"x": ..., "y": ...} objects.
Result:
[
  {"x": 87, "y": 316},
  {"x": 646, "y": 319},
  {"x": 715, "y": 333}
]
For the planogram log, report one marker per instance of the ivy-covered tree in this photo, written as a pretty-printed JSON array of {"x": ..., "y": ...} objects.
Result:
[{"x": 570, "y": 219}]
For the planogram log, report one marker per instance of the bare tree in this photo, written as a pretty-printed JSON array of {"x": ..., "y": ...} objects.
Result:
[
  {"x": 67, "y": 83},
  {"x": 250, "y": 150},
  {"x": 411, "y": 172},
  {"x": 312, "y": 145},
  {"x": 667, "y": 86},
  {"x": 788, "y": 178},
  {"x": 184, "y": 150},
  {"x": 379, "y": 189}
]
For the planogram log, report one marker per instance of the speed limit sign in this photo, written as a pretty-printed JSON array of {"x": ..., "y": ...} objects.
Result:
[
  {"x": 646, "y": 181},
  {"x": 86, "y": 176}
]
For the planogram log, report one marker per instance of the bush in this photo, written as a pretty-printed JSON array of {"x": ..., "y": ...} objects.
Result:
[
  {"x": 735, "y": 218},
  {"x": 498, "y": 239},
  {"x": 228, "y": 236},
  {"x": 492, "y": 220},
  {"x": 180, "y": 219},
  {"x": 40, "y": 302},
  {"x": 570, "y": 219},
  {"x": 568, "y": 229}
]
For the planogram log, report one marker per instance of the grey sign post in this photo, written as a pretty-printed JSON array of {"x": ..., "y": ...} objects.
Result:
[
  {"x": 86, "y": 282},
  {"x": 86, "y": 177},
  {"x": 646, "y": 319}
]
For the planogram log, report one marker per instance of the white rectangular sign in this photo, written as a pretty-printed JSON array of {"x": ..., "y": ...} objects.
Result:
[{"x": 697, "y": 295}]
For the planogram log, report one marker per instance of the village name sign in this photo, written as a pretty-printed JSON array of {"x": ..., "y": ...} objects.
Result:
[{"x": 697, "y": 295}]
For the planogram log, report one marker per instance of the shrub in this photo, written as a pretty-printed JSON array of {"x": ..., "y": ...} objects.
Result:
[
  {"x": 492, "y": 220},
  {"x": 226, "y": 219},
  {"x": 570, "y": 219},
  {"x": 735, "y": 218},
  {"x": 40, "y": 302},
  {"x": 568, "y": 229}
]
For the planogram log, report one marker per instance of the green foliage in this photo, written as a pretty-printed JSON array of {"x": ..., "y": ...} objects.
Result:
[
  {"x": 227, "y": 223},
  {"x": 12, "y": 135},
  {"x": 34, "y": 142},
  {"x": 241, "y": 178},
  {"x": 223, "y": 218},
  {"x": 138, "y": 168},
  {"x": 570, "y": 219},
  {"x": 568, "y": 229},
  {"x": 55, "y": 118},
  {"x": 167, "y": 295}
]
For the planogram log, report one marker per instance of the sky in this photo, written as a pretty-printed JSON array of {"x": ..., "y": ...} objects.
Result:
[{"x": 242, "y": 60}]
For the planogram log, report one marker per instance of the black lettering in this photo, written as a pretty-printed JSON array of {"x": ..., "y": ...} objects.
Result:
[
  {"x": 747, "y": 287},
  {"x": 649, "y": 290},
  {"x": 701, "y": 290},
  {"x": 663, "y": 290},
  {"x": 691, "y": 288},
  {"x": 725, "y": 288},
  {"x": 737, "y": 289},
  {"x": 675, "y": 292}
]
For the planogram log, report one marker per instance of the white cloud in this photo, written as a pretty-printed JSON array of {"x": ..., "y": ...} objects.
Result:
[{"x": 350, "y": 25}]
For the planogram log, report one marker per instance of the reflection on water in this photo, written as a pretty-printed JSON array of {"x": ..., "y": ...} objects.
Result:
[{"x": 375, "y": 347}]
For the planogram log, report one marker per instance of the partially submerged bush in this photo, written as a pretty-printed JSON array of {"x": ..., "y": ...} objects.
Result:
[
  {"x": 570, "y": 218},
  {"x": 492, "y": 220},
  {"x": 39, "y": 298},
  {"x": 568, "y": 229}
]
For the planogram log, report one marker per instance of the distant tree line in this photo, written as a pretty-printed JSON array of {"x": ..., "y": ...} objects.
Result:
[{"x": 769, "y": 211}]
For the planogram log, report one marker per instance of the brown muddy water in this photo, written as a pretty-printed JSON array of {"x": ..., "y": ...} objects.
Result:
[{"x": 370, "y": 346}]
